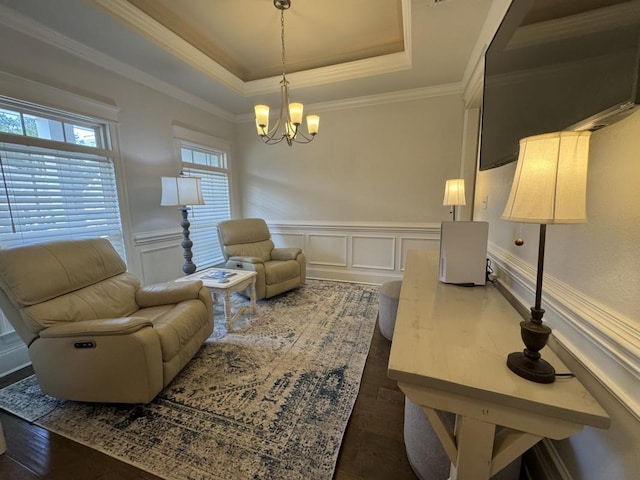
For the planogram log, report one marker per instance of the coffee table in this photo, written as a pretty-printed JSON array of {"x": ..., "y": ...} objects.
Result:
[{"x": 237, "y": 281}]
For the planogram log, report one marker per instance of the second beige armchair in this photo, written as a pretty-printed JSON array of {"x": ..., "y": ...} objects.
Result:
[{"x": 247, "y": 245}]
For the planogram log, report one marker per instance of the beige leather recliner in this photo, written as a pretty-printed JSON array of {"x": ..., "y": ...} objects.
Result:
[
  {"x": 246, "y": 245},
  {"x": 94, "y": 334}
]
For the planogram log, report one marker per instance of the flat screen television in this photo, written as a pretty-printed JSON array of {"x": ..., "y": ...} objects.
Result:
[{"x": 558, "y": 65}]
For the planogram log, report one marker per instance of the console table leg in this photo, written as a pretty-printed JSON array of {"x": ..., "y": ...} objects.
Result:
[{"x": 475, "y": 449}]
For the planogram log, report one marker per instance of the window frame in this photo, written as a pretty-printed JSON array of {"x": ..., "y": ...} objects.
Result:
[
  {"x": 98, "y": 115},
  {"x": 188, "y": 138}
]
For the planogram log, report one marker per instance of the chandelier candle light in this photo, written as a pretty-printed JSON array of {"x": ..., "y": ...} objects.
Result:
[
  {"x": 287, "y": 127},
  {"x": 182, "y": 191},
  {"x": 549, "y": 187}
]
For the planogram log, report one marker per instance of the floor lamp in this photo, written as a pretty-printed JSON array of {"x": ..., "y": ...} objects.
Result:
[
  {"x": 549, "y": 187},
  {"x": 454, "y": 194},
  {"x": 183, "y": 191}
]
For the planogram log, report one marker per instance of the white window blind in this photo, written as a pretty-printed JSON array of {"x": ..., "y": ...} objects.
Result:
[
  {"x": 211, "y": 166},
  {"x": 51, "y": 195}
]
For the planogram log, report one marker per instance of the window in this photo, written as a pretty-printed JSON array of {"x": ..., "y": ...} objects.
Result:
[
  {"x": 57, "y": 177},
  {"x": 210, "y": 164}
]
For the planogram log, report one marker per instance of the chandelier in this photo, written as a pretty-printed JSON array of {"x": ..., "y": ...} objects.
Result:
[{"x": 287, "y": 127}]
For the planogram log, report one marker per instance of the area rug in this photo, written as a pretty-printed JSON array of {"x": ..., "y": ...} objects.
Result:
[{"x": 268, "y": 401}]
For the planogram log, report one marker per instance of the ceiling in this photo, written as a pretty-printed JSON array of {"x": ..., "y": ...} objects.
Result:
[{"x": 228, "y": 52}]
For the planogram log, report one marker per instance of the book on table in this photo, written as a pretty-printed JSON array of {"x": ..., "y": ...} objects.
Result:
[{"x": 218, "y": 275}]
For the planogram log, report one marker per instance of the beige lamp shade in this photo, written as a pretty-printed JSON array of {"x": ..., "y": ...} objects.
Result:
[
  {"x": 454, "y": 192},
  {"x": 550, "y": 183},
  {"x": 181, "y": 191}
]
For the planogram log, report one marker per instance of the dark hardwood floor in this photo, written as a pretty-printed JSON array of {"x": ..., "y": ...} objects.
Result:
[{"x": 372, "y": 449}]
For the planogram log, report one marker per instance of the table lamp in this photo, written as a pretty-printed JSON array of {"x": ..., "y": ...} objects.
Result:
[
  {"x": 454, "y": 194},
  {"x": 549, "y": 187},
  {"x": 183, "y": 191}
]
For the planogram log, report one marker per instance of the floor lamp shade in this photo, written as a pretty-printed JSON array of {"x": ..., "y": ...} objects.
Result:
[
  {"x": 181, "y": 191},
  {"x": 550, "y": 183},
  {"x": 549, "y": 187}
]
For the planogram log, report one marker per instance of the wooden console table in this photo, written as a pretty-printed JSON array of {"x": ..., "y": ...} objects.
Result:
[{"x": 448, "y": 354}]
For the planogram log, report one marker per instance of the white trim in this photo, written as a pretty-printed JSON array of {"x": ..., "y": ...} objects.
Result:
[
  {"x": 433, "y": 228},
  {"x": 604, "y": 341},
  {"x": 348, "y": 271},
  {"x": 391, "y": 253},
  {"x": 389, "y": 63},
  {"x": 23, "y": 24},
  {"x": 27, "y": 26},
  {"x": 157, "y": 236},
  {"x": 177, "y": 46},
  {"x": 544, "y": 461},
  {"x": 409, "y": 95},
  {"x": 41, "y": 94},
  {"x": 189, "y": 134}
]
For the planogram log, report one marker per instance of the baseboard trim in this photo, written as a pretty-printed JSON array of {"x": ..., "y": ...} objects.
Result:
[{"x": 542, "y": 462}]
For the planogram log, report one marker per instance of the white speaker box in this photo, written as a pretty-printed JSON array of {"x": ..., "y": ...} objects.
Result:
[{"x": 463, "y": 253}]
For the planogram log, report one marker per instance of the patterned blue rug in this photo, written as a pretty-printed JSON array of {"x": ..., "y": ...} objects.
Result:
[{"x": 271, "y": 401}]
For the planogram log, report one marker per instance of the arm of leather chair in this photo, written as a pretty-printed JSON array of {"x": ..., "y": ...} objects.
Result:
[
  {"x": 285, "y": 253},
  {"x": 167, "y": 293},
  {"x": 103, "y": 326}
]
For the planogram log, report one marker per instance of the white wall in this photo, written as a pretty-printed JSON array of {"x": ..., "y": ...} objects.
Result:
[
  {"x": 590, "y": 292},
  {"x": 378, "y": 163}
]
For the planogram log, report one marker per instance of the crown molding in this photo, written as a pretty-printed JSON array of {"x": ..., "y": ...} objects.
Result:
[
  {"x": 374, "y": 100},
  {"x": 15, "y": 86},
  {"x": 131, "y": 16},
  {"x": 172, "y": 43},
  {"x": 20, "y": 23}
]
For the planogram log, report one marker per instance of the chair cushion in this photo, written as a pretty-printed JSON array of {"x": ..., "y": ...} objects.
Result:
[
  {"x": 246, "y": 230},
  {"x": 260, "y": 250},
  {"x": 111, "y": 298},
  {"x": 278, "y": 271},
  {"x": 70, "y": 265},
  {"x": 176, "y": 325}
]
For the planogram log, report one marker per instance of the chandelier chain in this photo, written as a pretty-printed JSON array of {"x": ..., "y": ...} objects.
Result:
[{"x": 282, "y": 40}]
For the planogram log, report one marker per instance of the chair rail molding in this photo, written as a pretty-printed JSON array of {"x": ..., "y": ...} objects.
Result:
[
  {"x": 603, "y": 341},
  {"x": 364, "y": 252}
]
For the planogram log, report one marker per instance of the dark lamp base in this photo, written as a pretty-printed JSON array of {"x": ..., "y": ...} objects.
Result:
[{"x": 539, "y": 371}]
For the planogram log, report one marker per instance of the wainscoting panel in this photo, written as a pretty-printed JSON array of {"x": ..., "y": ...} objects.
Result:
[
  {"x": 356, "y": 252},
  {"x": 326, "y": 249},
  {"x": 293, "y": 240},
  {"x": 373, "y": 252},
  {"x": 159, "y": 256},
  {"x": 13, "y": 353},
  {"x": 343, "y": 251}
]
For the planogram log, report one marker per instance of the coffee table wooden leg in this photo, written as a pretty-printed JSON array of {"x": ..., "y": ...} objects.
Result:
[
  {"x": 227, "y": 307},
  {"x": 253, "y": 296}
]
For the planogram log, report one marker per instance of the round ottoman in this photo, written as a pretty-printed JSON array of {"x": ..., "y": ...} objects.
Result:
[{"x": 388, "y": 307}]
